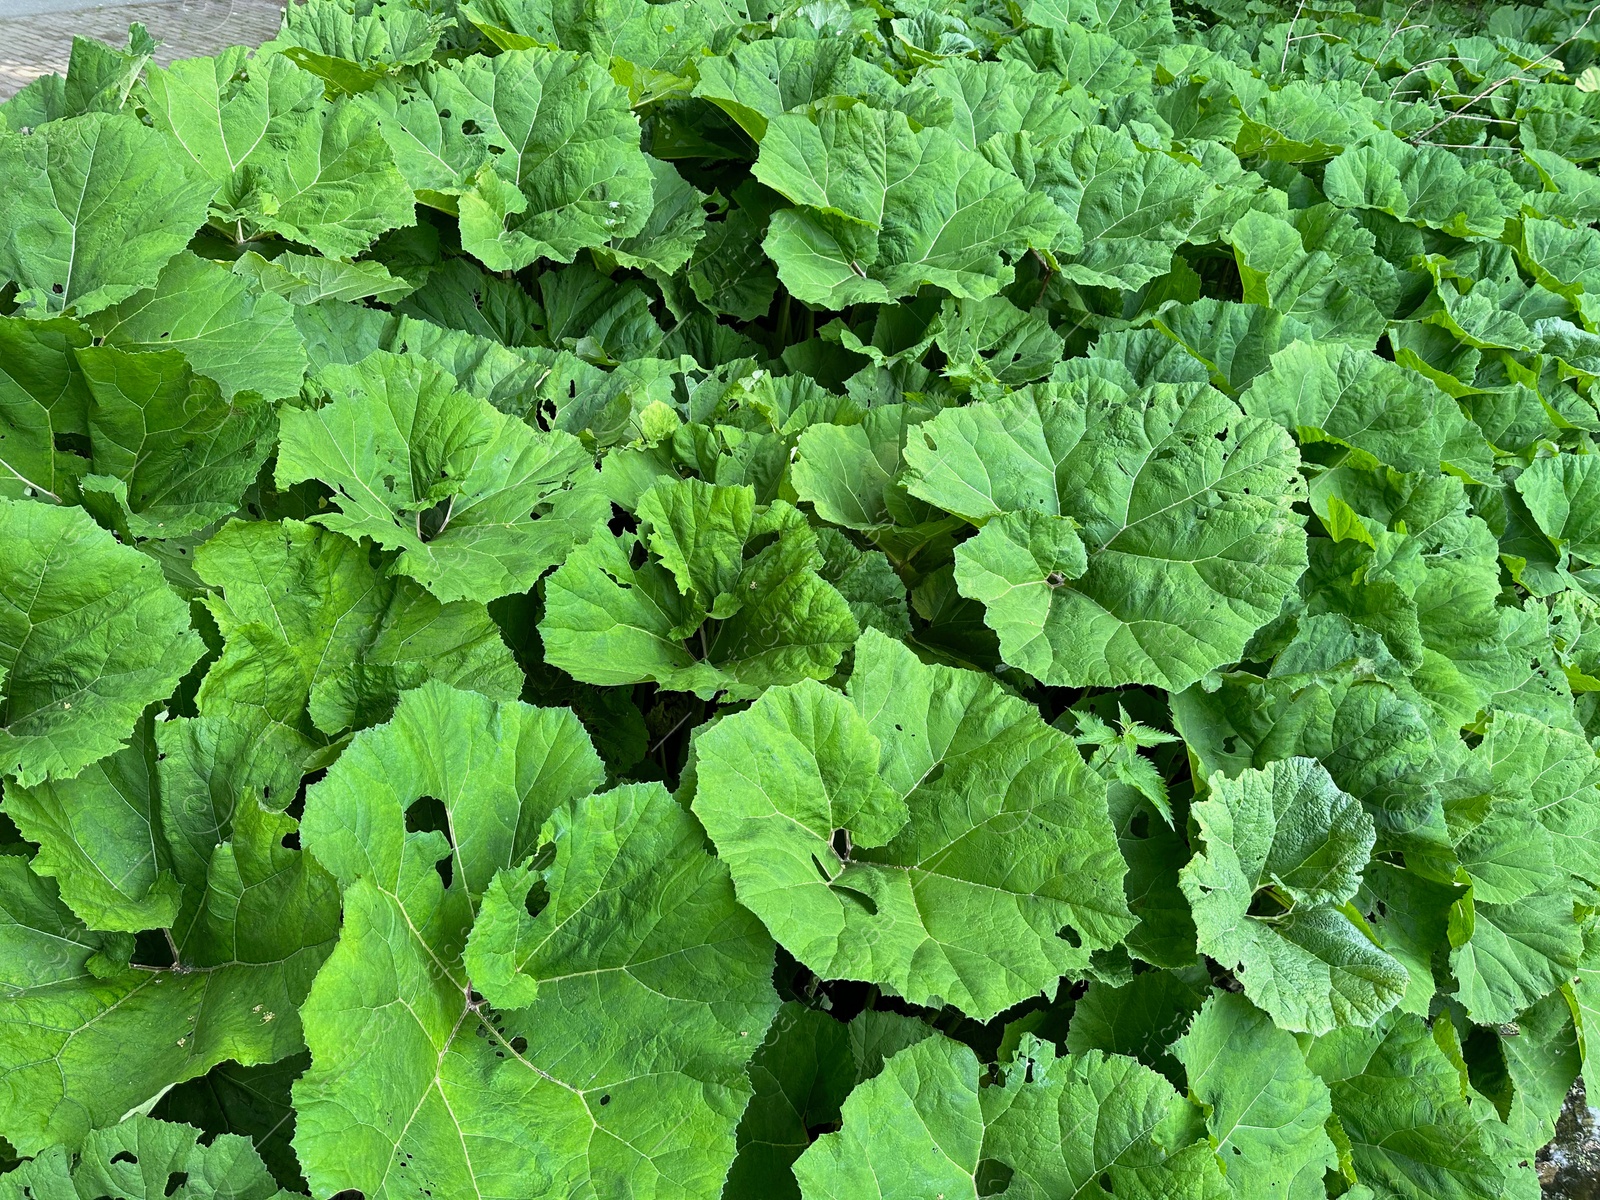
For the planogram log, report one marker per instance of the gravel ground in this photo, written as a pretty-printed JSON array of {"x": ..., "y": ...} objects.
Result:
[
  {"x": 1569, "y": 1168},
  {"x": 36, "y": 35}
]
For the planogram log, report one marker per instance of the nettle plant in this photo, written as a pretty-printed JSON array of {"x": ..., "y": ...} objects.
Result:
[{"x": 844, "y": 601}]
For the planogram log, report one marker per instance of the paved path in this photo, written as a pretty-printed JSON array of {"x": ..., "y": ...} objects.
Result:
[{"x": 36, "y": 35}]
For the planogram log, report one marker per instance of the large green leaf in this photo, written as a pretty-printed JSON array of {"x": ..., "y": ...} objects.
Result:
[
  {"x": 802, "y": 1074},
  {"x": 220, "y": 109},
  {"x": 1332, "y": 392},
  {"x": 1563, "y": 259},
  {"x": 1192, "y": 543},
  {"x": 508, "y": 377},
  {"x": 99, "y": 78},
  {"x": 478, "y": 503},
  {"x": 758, "y": 81},
  {"x": 1264, "y": 1107},
  {"x": 537, "y": 150},
  {"x": 313, "y": 627},
  {"x": 1278, "y": 270},
  {"x": 141, "y": 1159},
  {"x": 287, "y": 160},
  {"x": 1232, "y": 342},
  {"x": 99, "y": 838},
  {"x": 90, "y": 635},
  {"x": 251, "y": 1102},
  {"x": 992, "y": 342},
  {"x": 1507, "y": 956},
  {"x": 416, "y": 1081},
  {"x": 674, "y": 228},
  {"x": 867, "y": 581},
  {"x": 883, "y": 210},
  {"x": 1134, "y": 207},
  {"x": 646, "y": 39},
  {"x": 1376, "y": 739},
  {"x": 1304, "y": 120},
  {"x": 1141, "y": 1018},
  {"x": 1076, "y": 1125},
  {"x": 326, "y": 179},
  {"x": 1007, "y": 97},
  {"x": 1508, "y": 854},
  {"x": 263, "y": 919},
  {"x": 1424, "y": 184},
  {"x": 1562, "y": 493},
  {"x": 866, "y": 832},
  {"x": 914, "y": 1130},
  {"x": 722, "y": 605},
  {"x": 730, "y": 273},
  {"x": 1284, "y": 849},
  {"x": 183, "y": 453},
  {"x": 848, "y": 472},
  {"x": 1092, "y": 1122},
  {"x": 1557, "y": 773},
  {"x": 309, "y": 278},
  {"x": 1415, "y": 1131},
  {"x": 103, "y": 202},
  {"x": 353, "y": 45},
  {"x": 42, "y": 396},
  {"x": 243, "y": 339}
]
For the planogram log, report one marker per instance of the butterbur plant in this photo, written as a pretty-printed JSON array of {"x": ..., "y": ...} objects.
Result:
[{"x": 841, "y": 602}]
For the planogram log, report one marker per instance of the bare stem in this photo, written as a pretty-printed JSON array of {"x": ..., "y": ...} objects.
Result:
[
  {"x": 1288, "y": 38},
  {"x": 1400, "y": 27},
  {"x": 662, "y": 740},
  {"x": 1515, "y": 76}
]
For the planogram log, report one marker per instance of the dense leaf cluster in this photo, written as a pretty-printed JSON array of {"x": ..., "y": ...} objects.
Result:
[{"x": 840, "y": 601}]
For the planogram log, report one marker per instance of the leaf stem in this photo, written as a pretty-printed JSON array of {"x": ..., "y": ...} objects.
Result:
[
  {"x": 36, "y": 487},
  {"x": 172, "y": 947},
  {"x": 662, "y": 740}
]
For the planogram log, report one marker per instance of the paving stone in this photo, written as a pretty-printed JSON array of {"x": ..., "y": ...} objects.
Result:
[{"x": 39, "y": 44}]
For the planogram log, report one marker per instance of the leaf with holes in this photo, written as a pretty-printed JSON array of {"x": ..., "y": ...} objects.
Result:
[
  {"x": 730, "y": 597},
  {"x": 104, "y": 202},
  {"x": 90, "y": 635},
  {"x": 471, "y": 854},
  {"x": 477, "y": 503},
  {"x": 1185, "y": 538},
  {"x": 1283, "y": 852},
  {"x": 866, "y": 831}
]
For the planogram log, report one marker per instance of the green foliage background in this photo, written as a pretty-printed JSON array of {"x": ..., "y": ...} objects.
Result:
[{"x": 687, "y": 600}]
